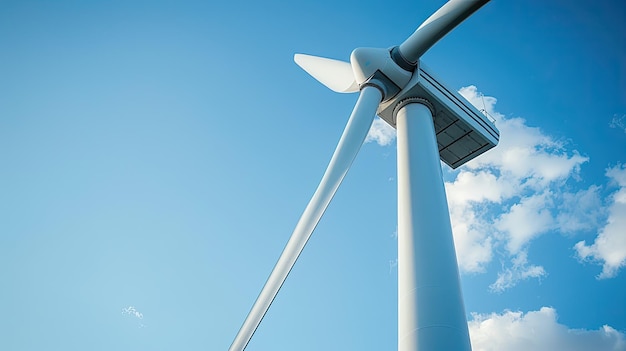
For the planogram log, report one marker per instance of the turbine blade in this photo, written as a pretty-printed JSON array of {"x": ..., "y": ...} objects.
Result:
[
  {"x": 347, "y": 149},
  {"x": 334, "y": 74},
  {"x": 437, "y": 26}
]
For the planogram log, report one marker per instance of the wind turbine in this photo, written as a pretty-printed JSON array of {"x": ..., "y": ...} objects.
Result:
[{"x": 433, "y": 123}]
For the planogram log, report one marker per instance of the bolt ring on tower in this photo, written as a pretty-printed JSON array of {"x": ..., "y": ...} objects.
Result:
[{"x": 411, "y": 100}]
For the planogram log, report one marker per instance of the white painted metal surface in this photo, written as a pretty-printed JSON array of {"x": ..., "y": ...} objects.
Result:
[
  {"x": 437, "y": 26},
  {"x": 367, "y": 61},
  {"x": 347, "y": 149},
  {"x": 334, "y": 74},
  {"x": 431, "y": 314}
]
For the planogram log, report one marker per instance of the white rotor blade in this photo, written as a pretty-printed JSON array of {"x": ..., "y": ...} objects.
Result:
[
  {"x": 351, "y": 140},
  {"x": 336, "y": 75},
  {"x": 437, "y": 26}
]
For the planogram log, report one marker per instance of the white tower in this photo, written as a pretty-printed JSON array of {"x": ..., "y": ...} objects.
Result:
[{"x": 433, "y": 123}]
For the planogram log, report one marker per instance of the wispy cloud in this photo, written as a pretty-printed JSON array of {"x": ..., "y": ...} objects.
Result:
[
  {"x": 581, "y": 210},
  {"x": 381, "y": 133},
  {"x": 392, "y": 264},
  {"x": 132, "y": 311},
  {"x": 609, "y": 247},
  {"x": 618, "y": 122},
  {"x": 520, "y": 270},
  {"x": 538, "y": 331}
]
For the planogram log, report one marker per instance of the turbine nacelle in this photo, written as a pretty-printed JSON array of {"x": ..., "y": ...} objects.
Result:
[
  {"x": 375, "y": 66},
  {"x": 463, "y": 133}
]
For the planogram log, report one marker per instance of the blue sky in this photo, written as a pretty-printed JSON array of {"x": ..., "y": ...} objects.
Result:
[{"x": 156, "y": 156}]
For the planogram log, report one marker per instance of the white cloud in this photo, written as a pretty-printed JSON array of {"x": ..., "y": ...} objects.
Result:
[
  {"x": 609, "y": 247},
  {"x": 511, "y": 195},
  {"x": 393, "y": 264},
  {"x": 580, "y": 211},
  {"x": 474, "y": 247},
  {"x": 132, "y": 311},
  {"x": 538, "y": 331},
  {"x": 520, "y": 270},
  {"x": 472, "y": 242},
  {"x": 525, "y": 155},
  {"x": 526, "y": 220},
  {"x": 477, "y": 187},
  {"x": 381, "y": 132},
  {"x": 618, "y": 122}
]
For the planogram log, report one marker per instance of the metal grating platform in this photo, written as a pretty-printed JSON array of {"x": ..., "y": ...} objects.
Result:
[{"x": 462, "y": 131}]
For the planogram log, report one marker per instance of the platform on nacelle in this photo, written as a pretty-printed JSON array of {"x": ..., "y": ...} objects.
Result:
[{"x": 462, "y": 131}]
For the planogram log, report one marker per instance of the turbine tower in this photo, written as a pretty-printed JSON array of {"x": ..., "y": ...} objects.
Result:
[{"x": 433, "y": 123}]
